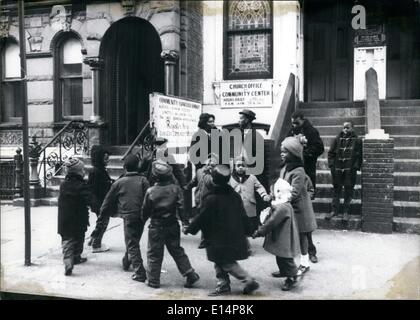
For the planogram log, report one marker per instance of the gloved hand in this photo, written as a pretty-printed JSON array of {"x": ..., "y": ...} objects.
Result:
[{"x": 184, "y": 228}]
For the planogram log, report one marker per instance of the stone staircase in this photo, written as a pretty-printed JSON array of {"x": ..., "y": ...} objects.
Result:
[{"x": 401, "y": 119}]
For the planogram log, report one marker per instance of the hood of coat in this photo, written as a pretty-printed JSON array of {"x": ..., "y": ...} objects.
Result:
[
  {"x": 74, "y": 177},
  {"x": 220, "y": 189},
  {"x": 348, "y": 135},
  {"x": 292, "y": 165}
]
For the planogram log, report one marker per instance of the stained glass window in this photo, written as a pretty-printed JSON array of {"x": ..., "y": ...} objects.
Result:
[{"x": 248, "y": 42}]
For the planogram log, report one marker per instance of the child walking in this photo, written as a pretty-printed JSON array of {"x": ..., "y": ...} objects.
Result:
[
  {"x": 224, "y": 223},
  {"x": 73, "y": 214},
  {"x": 294, "y": 173},
  {"x": 100, "y": 182},
  {"x": 125, "y": 199},
  {"x": 247, "y": 185},
  {"x": 281, "y": 233},
  {"x": 344, "y": 160},
  {"x": 162, "y": 203}
]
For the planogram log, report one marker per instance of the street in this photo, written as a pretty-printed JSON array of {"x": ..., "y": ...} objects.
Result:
[{"x": 352, "y": 265}]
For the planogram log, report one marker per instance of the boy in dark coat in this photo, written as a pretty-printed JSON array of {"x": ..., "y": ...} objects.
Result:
[
  {"x": 344, "y": 160},
  {"x": 224, "y": 223},
  {"x": 281, "y": 233},
  {"x": 100, "y": 182},
  {"x": 126, "y": 198},
  {"x": 162, "y": 203},
  {"x": 73, "y": 214}
]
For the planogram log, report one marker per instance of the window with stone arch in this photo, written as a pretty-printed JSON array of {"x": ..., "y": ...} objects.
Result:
[
  {"x": 248, "y": 42},
  {"x": 68, "y": 77},
  {"x": 10, "y": 85}
]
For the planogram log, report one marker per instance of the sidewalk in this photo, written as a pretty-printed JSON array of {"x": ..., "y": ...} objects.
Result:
[{"x": 352, "y": 265}]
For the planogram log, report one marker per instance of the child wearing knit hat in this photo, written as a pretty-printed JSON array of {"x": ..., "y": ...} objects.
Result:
[
  {"x": 163, "y": 202},
  {"x": 73, "y": 215},
  {"x": 294, "y": 173}
]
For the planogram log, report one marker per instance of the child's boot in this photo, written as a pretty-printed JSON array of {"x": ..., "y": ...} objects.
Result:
[
  {"x": 192, "y": 278},
  {"x": 304, "y": 265}
]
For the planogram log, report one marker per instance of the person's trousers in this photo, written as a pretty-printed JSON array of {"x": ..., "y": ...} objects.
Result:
[
  {"x": 100, "y": 228},
  {"x": 304, "y": 242},
  {"x": 311, "y": 245},
  {"x": 348, "y": 197},
  {"x": 72, "y": 248},
  {"x": 159, "y": 237},
  {"x": 310, "y": 170},
  {"x": 224, "y": 269},
  {"x": 133, "y": 230},
  {"x": 287, "y": 266}
]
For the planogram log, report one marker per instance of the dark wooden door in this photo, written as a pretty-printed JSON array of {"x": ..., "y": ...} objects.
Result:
[
  {"x": 328, "y": 51},
  {"x": 403, "y": 58},
  {"x": 133, "y": 69}
]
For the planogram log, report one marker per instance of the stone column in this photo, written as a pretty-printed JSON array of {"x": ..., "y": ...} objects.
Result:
[
  {"x": 171, "y": 59},
  {"x": 96, "y": 64},
  {"x": 378, "y": 185}
]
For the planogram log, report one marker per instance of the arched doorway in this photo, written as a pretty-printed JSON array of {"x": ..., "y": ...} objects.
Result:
[{"x": 132, "y": 70}]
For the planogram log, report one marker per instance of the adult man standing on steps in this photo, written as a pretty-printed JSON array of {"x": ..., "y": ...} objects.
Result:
[{"x": 313, "y": 147}]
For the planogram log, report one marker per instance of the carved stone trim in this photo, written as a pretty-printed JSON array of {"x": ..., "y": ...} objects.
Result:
[
  {"x": 169, "y": 55},
  {"x": 61, "y": 15},
  {"x": 11, "y": 137},
  {"x": 129, "y": 7},
  {"x": 4, "y": 26},
  {"x": 95, "y": 63}
]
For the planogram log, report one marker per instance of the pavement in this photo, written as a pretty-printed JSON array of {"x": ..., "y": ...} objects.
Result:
[{"x": 352, "y": 265}]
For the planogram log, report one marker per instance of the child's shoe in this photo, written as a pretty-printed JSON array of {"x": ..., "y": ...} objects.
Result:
[
  {"x": 313, "y": 258},
  {"x": 153, "y": 285},
  {"x": 288, "y": 284},
  {"x": 219, "y": 291},
  {"x": 79, "y": 260},
  {"x": 125, "y": 263},
  {"x": 192, "y": 278},
  {"x": 302, "y": 270},
  {"x": 68, "y": 269},
  {"x": 101, "y": 248},
  {"x": 140, "y": 277},
  {"x": 250, "y": 287}
]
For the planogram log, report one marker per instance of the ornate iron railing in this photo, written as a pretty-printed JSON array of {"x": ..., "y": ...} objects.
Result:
[
  {"x": 72, "y": 139},
  {"x": 145, "y": 140}
]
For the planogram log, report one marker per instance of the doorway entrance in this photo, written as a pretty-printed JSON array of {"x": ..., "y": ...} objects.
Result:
[
  {"x": 132, "y": 70},
  {"x": 328, "y": 51}
]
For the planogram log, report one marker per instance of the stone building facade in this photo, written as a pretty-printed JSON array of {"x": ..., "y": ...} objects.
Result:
[{"x": 71, "y": 47}]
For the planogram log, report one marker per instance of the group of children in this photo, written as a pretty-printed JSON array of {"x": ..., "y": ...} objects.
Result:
[{"x": 226, "y": 215}]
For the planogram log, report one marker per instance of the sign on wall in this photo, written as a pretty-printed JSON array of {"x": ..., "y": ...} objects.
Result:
[
  {"x": 246, "y": 94},
  {"x": 373, "y": 35},
  {"x": 175, "y": 119}
]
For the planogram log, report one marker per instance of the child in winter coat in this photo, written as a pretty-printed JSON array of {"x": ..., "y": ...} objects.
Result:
[
  {"x": 344, "y": 160},
  {"x": 100, "y": 182},
  {"x": 73, "y": 214},
  {"x": 162, "y": 203},
  {"x": 202, "y": 183},
  {"x": 224, "y": 223},
  {"x": 281, "y": 233},
  {"x": 293, "y": 172},
  {"x": 246, "y": 186},
  {"x": 124, "y": 200}
]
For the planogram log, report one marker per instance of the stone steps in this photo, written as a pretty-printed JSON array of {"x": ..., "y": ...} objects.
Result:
[{"x": 400, "y": 119}]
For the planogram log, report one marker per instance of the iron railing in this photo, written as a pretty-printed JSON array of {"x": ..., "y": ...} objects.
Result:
[
  {"x": 145, "y": 140},
  {"x": 72, "y": 139}
]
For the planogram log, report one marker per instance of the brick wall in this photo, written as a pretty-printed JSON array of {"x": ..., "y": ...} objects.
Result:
[{"x": 378, "y": 185}]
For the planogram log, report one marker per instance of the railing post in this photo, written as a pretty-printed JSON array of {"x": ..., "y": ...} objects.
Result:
[
  {"x": 18, "y": 158},
  {"x": 35, "y": 189}
]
